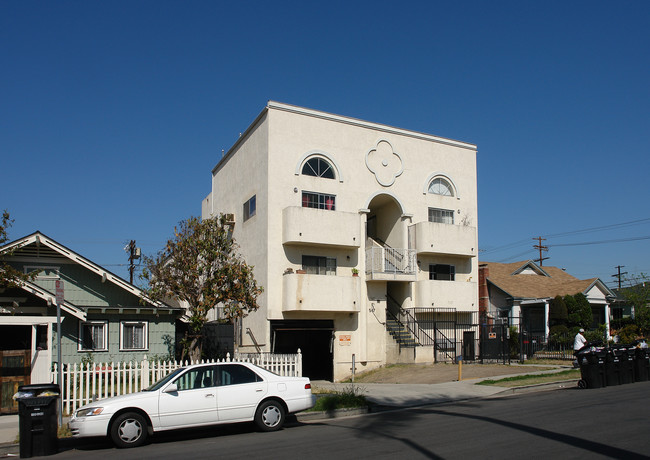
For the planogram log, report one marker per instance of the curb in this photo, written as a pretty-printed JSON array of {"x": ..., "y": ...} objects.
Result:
[
  {"x": 7, "y": 449},
  {"x": 560, "y": 385},
  {"x": 336, "y": 413}
]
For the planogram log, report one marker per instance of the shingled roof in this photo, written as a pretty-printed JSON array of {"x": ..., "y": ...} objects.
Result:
[{"x": 527, "y": 280}]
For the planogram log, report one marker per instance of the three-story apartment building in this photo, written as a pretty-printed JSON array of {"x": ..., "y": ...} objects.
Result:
[{"x": 351, "y": 225}]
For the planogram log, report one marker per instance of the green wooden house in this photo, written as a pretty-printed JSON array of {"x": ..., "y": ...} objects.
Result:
[{"x": 104, "y": 318}]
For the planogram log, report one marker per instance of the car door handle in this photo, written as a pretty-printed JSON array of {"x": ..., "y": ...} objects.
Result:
[
  {"x": 259, "y": 390},
  {"x": 209, "y": 395}
]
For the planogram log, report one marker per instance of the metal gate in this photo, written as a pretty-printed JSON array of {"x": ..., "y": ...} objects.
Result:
[{"x": 495, "y": 344}]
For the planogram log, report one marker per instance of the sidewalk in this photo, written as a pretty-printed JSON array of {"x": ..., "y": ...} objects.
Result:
[
  {"x": 410, "y": 395},
  {"x": 385, "y": 395}
]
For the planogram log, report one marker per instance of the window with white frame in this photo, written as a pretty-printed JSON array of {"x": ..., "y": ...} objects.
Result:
[
  {"x": 318, "y": 201},
  {"x": 441, "y": 216},
  {"x": 440, "y": 186},
  {"x": 250, "y": 208},
  {"x": 442, "y": 272},
  {"x": 133, "y": 335},
  {"x": 318, "y": 167},
  {"x": 92, "y": 336}
]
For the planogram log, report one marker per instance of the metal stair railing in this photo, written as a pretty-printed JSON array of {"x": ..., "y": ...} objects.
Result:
[
  {"x": 422, "y": 338},
  {"x": 399, "y": 332}
]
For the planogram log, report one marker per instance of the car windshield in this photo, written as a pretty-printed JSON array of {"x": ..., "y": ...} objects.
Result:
[{"x": 164, "y": 380}]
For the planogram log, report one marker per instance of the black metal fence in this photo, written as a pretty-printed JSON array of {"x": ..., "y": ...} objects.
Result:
[
  {"x": 539, "y": 346},
  {"x": 452, "y": 333}
]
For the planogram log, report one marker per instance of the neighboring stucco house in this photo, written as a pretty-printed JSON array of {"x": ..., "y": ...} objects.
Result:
[
  {"x": 103, "y": 316},
  {"x": 316, "y": 197},
  {"x": 522, "y": 292}
]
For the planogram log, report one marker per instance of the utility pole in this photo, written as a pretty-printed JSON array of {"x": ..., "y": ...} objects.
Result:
[
  {"x": 134, "y": 254},
  {"x": 541, "y": 248},
  {"x": 619, "y": 275}
]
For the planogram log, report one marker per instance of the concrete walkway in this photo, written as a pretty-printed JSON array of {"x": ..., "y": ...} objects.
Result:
[
  {"x": 410, "y": 395},
  {"x": 385, "y": 395}
]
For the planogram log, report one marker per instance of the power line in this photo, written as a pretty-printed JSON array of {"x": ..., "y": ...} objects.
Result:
[
  {"x": 587, "y": 243},
  {"x": 569, "y": 233},
  {"x": 597, "y": 229}
]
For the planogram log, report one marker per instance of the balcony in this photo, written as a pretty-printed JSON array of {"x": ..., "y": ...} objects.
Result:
[
  {"x": 320, "y": 227},
  {"x": 461, "y": 295},
  {"x": 389, "y": 264},
  {"x": 436, "y": 238},
  {"x": 320, "y": 293}
]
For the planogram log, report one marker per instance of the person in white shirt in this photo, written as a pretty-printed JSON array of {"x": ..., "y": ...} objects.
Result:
[{"x": 579, "y": 341}]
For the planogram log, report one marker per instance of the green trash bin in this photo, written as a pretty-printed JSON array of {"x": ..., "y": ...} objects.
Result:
[{"x": 38, "y": 419}]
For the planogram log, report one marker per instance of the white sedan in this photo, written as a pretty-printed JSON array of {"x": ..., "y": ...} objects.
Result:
[{"x": 203, "y": 394}]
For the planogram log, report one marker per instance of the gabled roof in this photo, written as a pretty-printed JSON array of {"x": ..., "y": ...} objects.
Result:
[
  {"x": 39, "y": 245},
  {"x": 527, "y": 280}
]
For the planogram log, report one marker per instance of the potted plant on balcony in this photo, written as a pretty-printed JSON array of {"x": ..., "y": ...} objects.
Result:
[{"x": 355, "y": 272}]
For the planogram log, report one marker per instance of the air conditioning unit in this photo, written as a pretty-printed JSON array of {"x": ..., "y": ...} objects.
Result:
[{"x": 229, "y": 218}]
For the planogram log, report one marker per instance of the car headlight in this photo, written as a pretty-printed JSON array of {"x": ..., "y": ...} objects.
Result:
[{"x": 89, "y": 411}]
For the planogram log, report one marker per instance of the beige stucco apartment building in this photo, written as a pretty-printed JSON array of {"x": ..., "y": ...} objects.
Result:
[{"x": 316, "y": 197}]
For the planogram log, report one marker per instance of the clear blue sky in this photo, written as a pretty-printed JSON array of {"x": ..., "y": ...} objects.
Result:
[{"x": 112, "y": 114}]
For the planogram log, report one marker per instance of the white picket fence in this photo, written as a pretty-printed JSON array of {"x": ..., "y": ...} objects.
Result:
[{"x": 87, "y": 382}]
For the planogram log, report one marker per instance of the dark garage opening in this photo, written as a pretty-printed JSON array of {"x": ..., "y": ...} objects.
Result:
[{"x": 315, "y": 340}]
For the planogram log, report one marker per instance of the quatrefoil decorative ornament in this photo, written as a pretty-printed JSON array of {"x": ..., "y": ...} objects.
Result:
[{"x": 384, "y": 163}]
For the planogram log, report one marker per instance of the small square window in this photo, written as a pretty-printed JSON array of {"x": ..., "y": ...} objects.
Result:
[
  {"x": 250, "y": 208},
  {"x": 133, "y": 335},
  {"x": 92, "y": 336}
]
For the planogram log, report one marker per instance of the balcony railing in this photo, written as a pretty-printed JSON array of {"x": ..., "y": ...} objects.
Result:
[{"x": 385, "y": 263}]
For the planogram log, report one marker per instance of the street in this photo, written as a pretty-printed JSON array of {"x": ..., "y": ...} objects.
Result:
[{"x": 610, "y": 422}]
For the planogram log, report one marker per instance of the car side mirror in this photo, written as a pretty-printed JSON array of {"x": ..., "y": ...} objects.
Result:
[{"x": 171, "y": 388}]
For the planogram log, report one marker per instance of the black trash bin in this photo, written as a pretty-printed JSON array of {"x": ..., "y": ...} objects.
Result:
[
  {"x": 626, "y": 355},
  {"x": 38, "y": 424},
  {"x": 592, "y": 367},
  {"x": 612, "y": 368},
  {"x": 642, "y": 364}
]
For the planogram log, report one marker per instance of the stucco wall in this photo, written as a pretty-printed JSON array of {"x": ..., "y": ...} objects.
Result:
[{"x": 267, "y": 162}]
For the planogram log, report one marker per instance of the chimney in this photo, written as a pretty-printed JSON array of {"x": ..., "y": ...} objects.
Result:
[{"x": 483, "y": 296}]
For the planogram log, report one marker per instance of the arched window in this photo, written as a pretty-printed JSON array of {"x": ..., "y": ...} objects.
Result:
[
  {"x": 318, "y": 167},
  {"x": 440, "y": 186}
]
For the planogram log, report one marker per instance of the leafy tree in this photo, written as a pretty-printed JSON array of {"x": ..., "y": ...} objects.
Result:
[
  {"x": 201, "y": 266},
  {"x": 9, "y": 276},
  {"x": 579, "y": 311},
  {"x": 584, "y": 310},
  {"x": 637, "y": 294},
  {"x": 558, "y": 314}
]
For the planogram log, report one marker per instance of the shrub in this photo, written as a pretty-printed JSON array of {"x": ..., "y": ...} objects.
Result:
[
  {"x": 349, "y": 397},
  {"x": 558, "y": 314},
  {"x": 596, "y": 335},
  {"x": 513, "y": 342},
  {"x": 627, "y": 334},
  {"x": 559, "y": 335}
]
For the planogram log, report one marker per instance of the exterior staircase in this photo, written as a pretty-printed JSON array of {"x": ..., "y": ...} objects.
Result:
[{"x": 399, "y": 332}]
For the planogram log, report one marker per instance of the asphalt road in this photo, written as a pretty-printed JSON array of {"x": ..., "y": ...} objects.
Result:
[{"x": 611, "y": 422}]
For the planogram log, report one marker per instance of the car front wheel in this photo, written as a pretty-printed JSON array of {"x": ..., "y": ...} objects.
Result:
[
  {"x": 270, "y": 416},
  {"x": 129, "y": 430}
]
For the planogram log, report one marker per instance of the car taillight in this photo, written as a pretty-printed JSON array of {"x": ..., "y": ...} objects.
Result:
[{"x": 307, "y": 386}]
